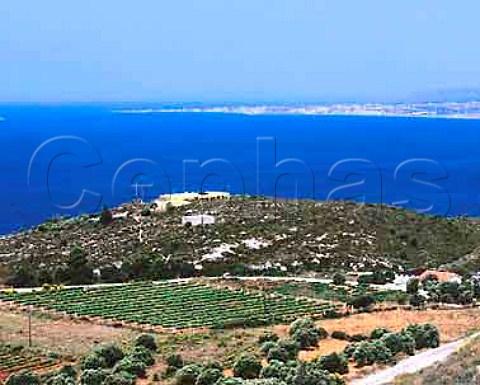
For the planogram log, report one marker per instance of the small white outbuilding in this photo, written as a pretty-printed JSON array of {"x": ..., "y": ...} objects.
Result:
[{"x": 197, "y": 220}]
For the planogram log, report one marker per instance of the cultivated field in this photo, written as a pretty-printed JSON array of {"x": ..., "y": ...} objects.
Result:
[
  {"x": 174, "y": 305},
  {"x": 14, "y": 359}
]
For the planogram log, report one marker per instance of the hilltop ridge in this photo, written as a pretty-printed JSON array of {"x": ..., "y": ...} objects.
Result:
[{"x": 250, "y": 236}]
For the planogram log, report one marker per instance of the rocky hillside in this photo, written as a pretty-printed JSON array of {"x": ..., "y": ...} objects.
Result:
[{"x": 258, "y": 233}]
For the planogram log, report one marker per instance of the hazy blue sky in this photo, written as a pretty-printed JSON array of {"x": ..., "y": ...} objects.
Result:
[{"x": 235, "y": 50}]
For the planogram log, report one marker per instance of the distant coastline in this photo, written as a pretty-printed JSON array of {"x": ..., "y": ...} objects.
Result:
[{"x": 467, "y": 110}]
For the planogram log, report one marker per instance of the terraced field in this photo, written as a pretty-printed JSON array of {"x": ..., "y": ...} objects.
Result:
[
  {"x": 12, "y": 361},
  {"x": 331, "y": 292},
  {"x": 175, "y": 305}
]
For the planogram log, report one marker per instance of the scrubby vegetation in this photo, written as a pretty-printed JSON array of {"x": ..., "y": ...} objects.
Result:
[
  {"x": 283, "y": 365},
  {"x": 382, "y": 345},
  {"x": 15, "y": 360},
  {"x": 306, "y": 333},
  {"x": 433, "y": 291},
  {"x": 333, "y": 236},
  {"x": 105, "y": 364},
  {"x": 343, "y": 293}
]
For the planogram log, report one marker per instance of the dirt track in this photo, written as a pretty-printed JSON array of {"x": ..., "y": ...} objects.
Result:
[{"x": 413, "y": 364}]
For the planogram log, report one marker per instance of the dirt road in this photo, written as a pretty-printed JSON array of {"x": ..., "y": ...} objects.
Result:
[{"x": 414, "y": 364}]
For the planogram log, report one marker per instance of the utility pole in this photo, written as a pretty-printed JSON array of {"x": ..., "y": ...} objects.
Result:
[{"x": 30, "y": 310}]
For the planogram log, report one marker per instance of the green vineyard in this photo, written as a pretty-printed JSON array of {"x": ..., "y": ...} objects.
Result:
[
  {"x": 14, "y": 361},
  {"x": 174, "y": 305}
]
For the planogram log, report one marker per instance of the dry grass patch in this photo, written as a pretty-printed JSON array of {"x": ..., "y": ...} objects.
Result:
[
  {"x": 70, "y": 338},
  {"x": 452, "y": 324}
]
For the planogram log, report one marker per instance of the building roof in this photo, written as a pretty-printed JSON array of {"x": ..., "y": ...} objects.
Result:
[
  {"x": 442, "y": 276},
  {"x": 191, "y": 196}
]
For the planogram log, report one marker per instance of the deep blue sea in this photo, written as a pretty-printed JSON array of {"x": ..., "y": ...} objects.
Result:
[{"x": 66, "y": 160}]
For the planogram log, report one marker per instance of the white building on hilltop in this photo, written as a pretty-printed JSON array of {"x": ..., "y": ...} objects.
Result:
[{"x": 183, "y": 199}]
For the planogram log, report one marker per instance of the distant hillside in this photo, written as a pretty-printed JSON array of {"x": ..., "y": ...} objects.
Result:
[
  {"x": 453, "y": 95},
  {"x": 254, "y": 235}
]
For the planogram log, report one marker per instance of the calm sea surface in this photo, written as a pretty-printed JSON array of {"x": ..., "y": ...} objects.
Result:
[{"x": 66, "y": 160}]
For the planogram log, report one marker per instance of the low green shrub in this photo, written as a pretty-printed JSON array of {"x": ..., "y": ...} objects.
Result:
[
  {"x": 247, "y": 367},
  {"x": 268, "y": 337},
  {"x": 358, "y": 338},
  {"x": 119, "y": 378},
  {"x": 333, "y": 363},
  {"x": 175, "y": 361},
  {"x": 230, "y": 381},
  {"x": 209, "y": 377},
  {"x": 24, "y": 378},
  {"x": 306, "y": 333},
  {"x": 111, "y": 353},
  {"x": 134, "y": 367},
  {"x": 188, "y": 375},
  {"x": 93, "y": 361},
  {"x": 426, "y": 336},
  {"x": 93, "y": 377},
  {"x": 267, "y": 346},
  {"x": 378, "y": 333},
  {"x": 371, "y": 352},
  {"x": 147, "y": 341},
  {"x": 339, "y": 335},
  {"x": 142, "y": 354}
]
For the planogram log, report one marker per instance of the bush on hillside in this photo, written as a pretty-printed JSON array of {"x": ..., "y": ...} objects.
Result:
[
  {"x": 93, "y": 361},
  {"x": 268, "y": 337},
  {"x": 188, "y": 375},
  {"x": 308, "y": 374},
  {"x": 24, "y": 378},
  {"x": 393, "y": 342},
  {"x": 306, "y": 333},
  {"x": 413, "y": 285},
  {"x": 175, "y": 361},
  {"x": 378, "y": 333},
  {"x": 358, "y": 338},
  {"x": 142, "y": 354},
  {"x": 111, "y": 353},
  {"x": 377, "y": 277},
  {"x": 147, "y": 341},
  {"x": 209, "y": 377},
  {"x": 68, "y": 371},
  {"x": 60, "y": 379},
  {"x": 247, "y": 367},
  {"x": 286, "y": 350},
  {"x": 370, "y": 352},
  {"x": 106, "y": 217},
  {"x": 230, "y": 381},
  {"x": 362, "y": 301},
  {"x": 417, "y": 300},
  {"x": 339, "y": 335},
  {"x": 134, "y": 367},
  {"x": 333, "y": 363},
  {"x": 339, "y": 279},
  {"x": 93, "y": 377},
  {"x": 274, "y": 369},
  {"x": 425, "y": 336},
  {"x": 408, "y": 343},
  {"x": 267, "y": 346},
  {"x": 120, "y": 378},
  {"x": 349, "y": 350}
]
